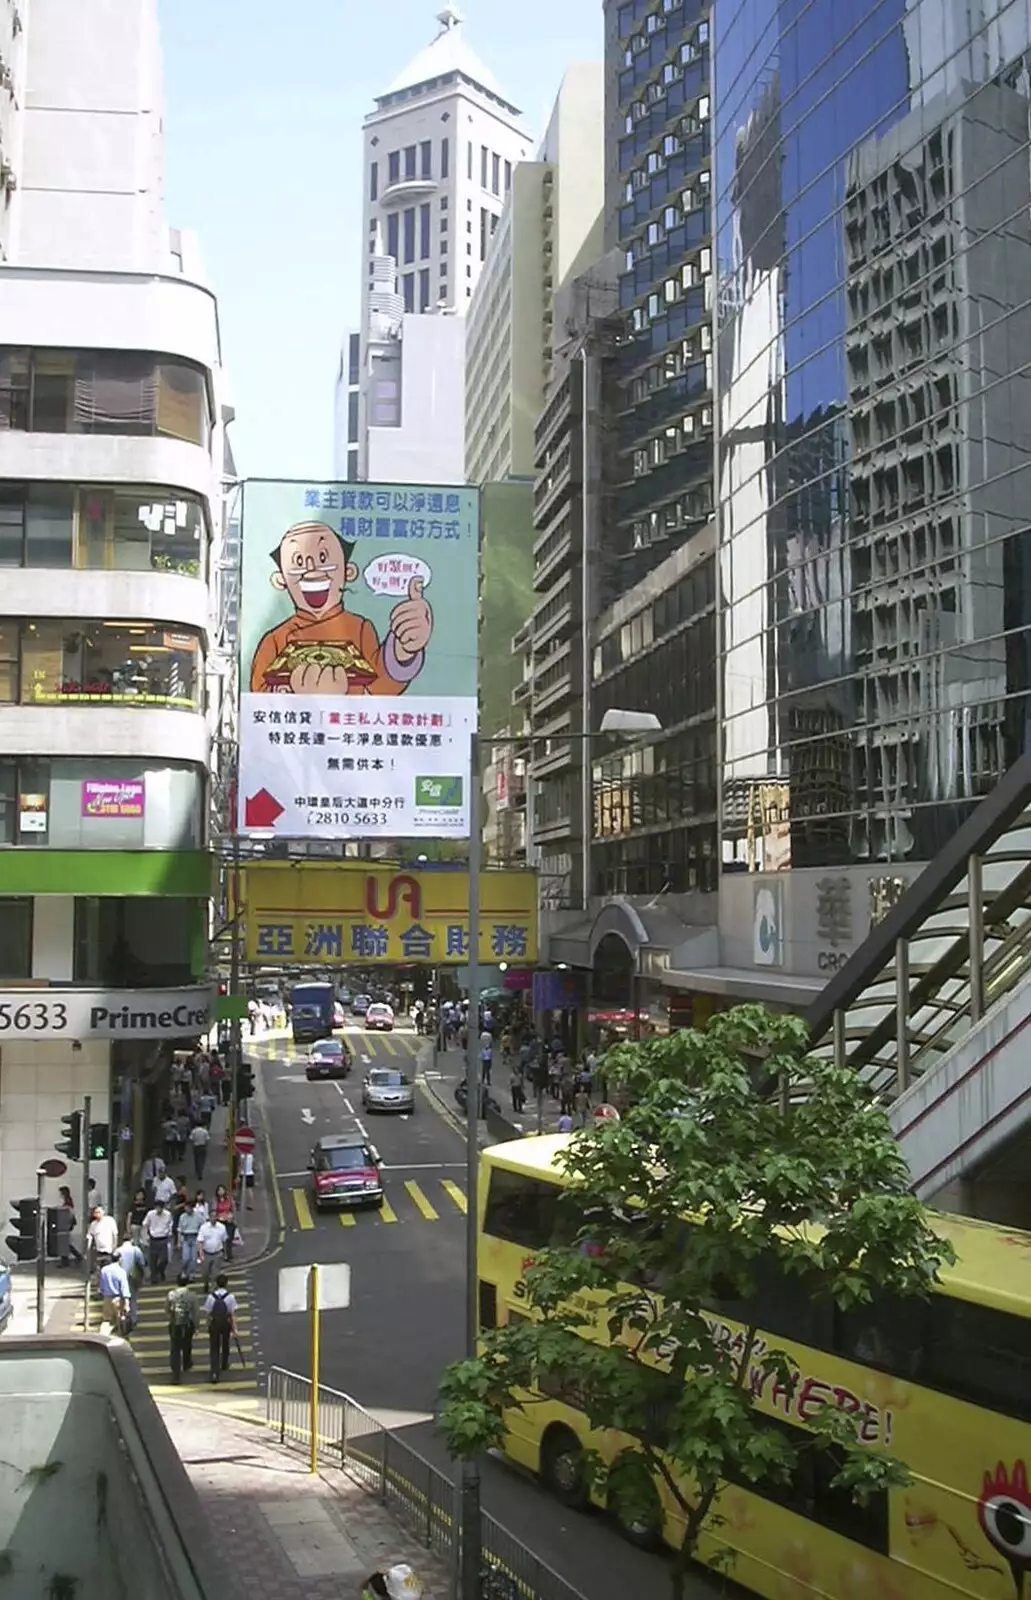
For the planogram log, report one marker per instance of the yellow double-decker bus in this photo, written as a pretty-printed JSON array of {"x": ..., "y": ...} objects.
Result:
[{"x": 944, "y": 1384}]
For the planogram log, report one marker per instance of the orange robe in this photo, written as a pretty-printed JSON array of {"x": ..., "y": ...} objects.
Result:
[{"x": 335, "y": 627}]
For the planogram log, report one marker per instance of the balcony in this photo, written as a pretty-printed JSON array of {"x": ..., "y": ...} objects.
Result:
[{"x": 406, "y": 189}]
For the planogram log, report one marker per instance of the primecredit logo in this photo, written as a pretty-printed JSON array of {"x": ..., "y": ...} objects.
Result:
[
  {"x": 187, "y": 1018},
  {"x": 438, "y": 791}
]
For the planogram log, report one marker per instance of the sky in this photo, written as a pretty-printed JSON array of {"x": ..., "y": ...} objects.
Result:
[{"x": 264, "y": 101}]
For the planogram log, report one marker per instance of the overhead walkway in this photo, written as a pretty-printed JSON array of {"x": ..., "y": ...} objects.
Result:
[{"x": 934, "y": 1011}]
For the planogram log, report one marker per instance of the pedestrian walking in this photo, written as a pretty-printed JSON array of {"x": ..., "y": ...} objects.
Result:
[
  {"x": 486, "y": 1055},
  {"x": 103, "y": 1236},
  {"x": 130, "y": 1257},
  {"x": 116, "y": 1296},
  {"x": 566, "y": 1093},
  {"x": 211, "y": 1250},
  {"x": 518, "y": 1090},
  {"x": 157, "y": 1231},
  {"x": 66, "y": 1222},
  {"x": 206, "y": 1105},
  {"x": 170, "y": 1137},
  {"x": 182, "y": 1325},
  {"x": 190, "y": 1224},
  {"x": 582, "y": 1106},
  {"x": 137, "y": 1211},
  {"x": 200, "y": 1138},
  {"x": 220, "y": 1310},
  {"x": 224, "y": 1211},
  {"x": 165, "y": 1190}
]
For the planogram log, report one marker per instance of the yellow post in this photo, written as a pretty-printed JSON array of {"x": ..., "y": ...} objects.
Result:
[{"x": 313, "y": 1303}]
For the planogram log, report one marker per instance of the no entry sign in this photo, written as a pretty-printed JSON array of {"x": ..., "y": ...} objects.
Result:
[{"x": 245, "y": 1141}]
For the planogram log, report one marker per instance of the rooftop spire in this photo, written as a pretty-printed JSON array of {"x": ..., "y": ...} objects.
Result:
[{"x": 449, "y": 18}]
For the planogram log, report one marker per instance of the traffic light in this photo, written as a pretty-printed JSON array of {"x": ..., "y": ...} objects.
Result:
[
  {"x": 244, "y": 1082},
  {"x": 71, "y": 1144},
  {"x": 22, "y": 1243},
  {"x": 99, "y": 1139}
]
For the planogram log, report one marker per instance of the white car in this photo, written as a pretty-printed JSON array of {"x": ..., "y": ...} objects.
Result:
[{"x": 379, "y": 1018}]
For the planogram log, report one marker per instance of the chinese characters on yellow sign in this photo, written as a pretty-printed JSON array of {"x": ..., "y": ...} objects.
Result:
[{"x": 327, "y": 915}]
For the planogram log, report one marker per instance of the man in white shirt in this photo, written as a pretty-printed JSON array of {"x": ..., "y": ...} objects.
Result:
[
  {"x": 102, "y": 1235},
  {"x": 164, "y": 1189},
  {"x": 129, "y": 1257},
  {"x": 200, "y": 1138},
  {"x": 211, "y": 1249},
  {"x": 157, "y": 1230},
  {"x": 220, "y": 1310}
]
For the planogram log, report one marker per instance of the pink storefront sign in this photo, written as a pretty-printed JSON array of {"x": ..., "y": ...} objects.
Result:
[{"x": 113, "y": 797}]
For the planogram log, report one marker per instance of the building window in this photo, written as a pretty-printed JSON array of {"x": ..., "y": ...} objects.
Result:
[
  {"x": 469, "y": 159},
  {"x": 443, "y": 224},
  {"x": 100, "y": 663},
  {"x": 409, "y": 161},
  {"x": 134, "y": 943},
  {"x": 409, "y": 235},
  {"x": 426, "y": 159},
  {"x": 104, "y": 391},
  {"x": 445, "y": 158},
  {"x": 443, "y": 202},
  {"x": 374, "y": 181},
  {"x": 424, "y": 232},
  {"x": 353, "y": 359},
  {"x": 108, "y": 528},
  {"x": 495, "y": 174},
  {"x": 352, "y": 465},
  {"x": 443, "y": 249},
  {"x": 484, "y": 154},
  {"x": 484, "y": 231},
  {"x": 393, "y": 232},
  {"x": 100, "y": 803},
  {"x": 508, "y": 176},
  {"x": 15, "y": 934},
  {"x": 394, "y": 167},
  {"x": 408, "y": 290},
  {"x": 424, "y": 305},
  {"x": 352, "y": 418}
]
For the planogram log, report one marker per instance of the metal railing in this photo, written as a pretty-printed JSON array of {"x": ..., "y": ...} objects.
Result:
[{"x": 415, "y": 1492}]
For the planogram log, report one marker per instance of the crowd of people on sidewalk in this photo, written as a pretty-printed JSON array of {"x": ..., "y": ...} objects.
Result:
[{"x": 544, "y": 1069}]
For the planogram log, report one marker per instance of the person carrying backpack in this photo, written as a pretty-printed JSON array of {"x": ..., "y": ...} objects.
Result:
[
  {"x": 220, "y": 1310},
  {"x": 182, "y": 1324}
]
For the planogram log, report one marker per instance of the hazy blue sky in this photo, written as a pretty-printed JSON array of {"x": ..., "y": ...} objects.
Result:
[{"x": 264, "y": 106}]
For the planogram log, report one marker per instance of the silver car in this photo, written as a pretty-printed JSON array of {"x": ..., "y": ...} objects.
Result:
[{"x": 386, "y": 1089}]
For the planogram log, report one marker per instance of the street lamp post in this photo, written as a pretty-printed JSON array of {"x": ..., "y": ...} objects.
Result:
[{"x": 625, "y": 724}]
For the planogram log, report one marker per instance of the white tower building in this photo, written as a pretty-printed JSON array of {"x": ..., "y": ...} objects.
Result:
[{"x": 439, "y": 151}]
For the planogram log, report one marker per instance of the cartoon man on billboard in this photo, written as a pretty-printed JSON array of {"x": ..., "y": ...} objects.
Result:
[{"x": 323, "y": 649}]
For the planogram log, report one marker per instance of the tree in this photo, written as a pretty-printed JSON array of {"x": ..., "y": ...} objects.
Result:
[{"x": 740, "y": 1161}]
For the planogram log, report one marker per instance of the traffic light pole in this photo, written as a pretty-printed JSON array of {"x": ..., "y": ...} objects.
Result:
[
  {"x": 86, "y": 1140},
  {"x": 41, "y": 1249},
  {"x": 235, "y": 1030}
]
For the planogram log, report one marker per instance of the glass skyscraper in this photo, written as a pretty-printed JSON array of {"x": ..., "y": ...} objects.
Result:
[{"x": 872, "y": 184}]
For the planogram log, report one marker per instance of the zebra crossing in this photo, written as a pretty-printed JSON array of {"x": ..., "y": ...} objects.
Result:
[
  {"x": 150, "y": 1342},
  {"x": 409, "y": 1201}
]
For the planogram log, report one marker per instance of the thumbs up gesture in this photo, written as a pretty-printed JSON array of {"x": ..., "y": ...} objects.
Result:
[{"x": 411, "y": 623}]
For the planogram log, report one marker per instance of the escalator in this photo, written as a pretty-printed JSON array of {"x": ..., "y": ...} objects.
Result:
[{"x": 934, "y": 1012}]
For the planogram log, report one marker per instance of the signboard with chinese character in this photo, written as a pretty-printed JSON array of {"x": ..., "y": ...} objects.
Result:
[
  {"x": 328, "y": 914},
  {"x": 358, "y": 659}
]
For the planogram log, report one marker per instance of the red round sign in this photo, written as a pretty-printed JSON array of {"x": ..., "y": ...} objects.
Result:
[
  {"x": 53, "y": 1168},
  {"x": 245, "y": 1141},
  {"x": 605, "y": 1113}
]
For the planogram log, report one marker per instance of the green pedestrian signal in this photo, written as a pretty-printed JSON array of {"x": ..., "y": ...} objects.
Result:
[
  {"x": 99, "y": 1140},
  {"x": 70, "y": 1145}
]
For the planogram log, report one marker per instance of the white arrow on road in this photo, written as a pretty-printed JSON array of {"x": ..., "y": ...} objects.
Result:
[
  {"x": 366, "y": 1060},
  {"x": 307, "y": 1116}
]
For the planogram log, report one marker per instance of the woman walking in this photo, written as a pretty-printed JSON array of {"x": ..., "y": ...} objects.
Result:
[{"x": 224, "y": 1211}]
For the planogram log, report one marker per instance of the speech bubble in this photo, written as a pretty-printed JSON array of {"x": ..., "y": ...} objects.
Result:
[{"x": 392, "y": 575}]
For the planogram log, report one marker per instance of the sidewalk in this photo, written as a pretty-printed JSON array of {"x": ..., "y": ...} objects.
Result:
[
  {"x": 443, "y": 1069},
  {"x": 281, "y": 1533}
]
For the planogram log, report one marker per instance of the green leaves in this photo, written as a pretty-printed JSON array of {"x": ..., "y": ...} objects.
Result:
[{"x": 645, "y": 1315}]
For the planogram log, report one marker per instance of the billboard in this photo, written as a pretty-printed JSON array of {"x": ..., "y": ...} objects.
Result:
[
  {"x": 358, "y": 626},
  {"x": 327, "y": 914}
]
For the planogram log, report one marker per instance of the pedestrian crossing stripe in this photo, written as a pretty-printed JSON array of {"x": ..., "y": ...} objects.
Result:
[
  {"x": 307, "y": 1217},
  {"x": 149, "y": 1339}
]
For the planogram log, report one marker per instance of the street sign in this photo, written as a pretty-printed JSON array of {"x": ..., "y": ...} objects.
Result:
[
  {"x": 245, "y": 1141},
  {"x": 606, "y": 1113},
  {"x": 334, "y": 1287},
  {"x": 53, "y": 1168}
]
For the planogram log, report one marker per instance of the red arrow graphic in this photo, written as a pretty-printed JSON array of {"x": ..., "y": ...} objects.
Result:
[{"x": 261, "y": 810}]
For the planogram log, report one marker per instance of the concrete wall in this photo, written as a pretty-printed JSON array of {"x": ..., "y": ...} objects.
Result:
[
  {"x": 40, "y": 1081},
  {"x": 429, "y": 446}
]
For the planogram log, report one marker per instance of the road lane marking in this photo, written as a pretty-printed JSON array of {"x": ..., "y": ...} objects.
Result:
[
  {"x": 346, "y": 1219},
  {"x": 421, "y": 1201},
  {"x": 285, "y": 1175},
  {"x": 455, "y": 1193},
  {"x": 389, "y": 1045},
  {"x": 387, "y": 1212},
  {"x": 339, "y": 1088},
  {"x": 418, "y": 1166},
  {"x": 361, "y": 1127},
  {"x": 303, "y": 1209},
  {"x": 347, "y": 1103}
]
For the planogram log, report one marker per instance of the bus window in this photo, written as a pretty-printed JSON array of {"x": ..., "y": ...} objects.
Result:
[
  {"x": 890, "y": 1335},
  {"x": 810, "y": 1491},
  {"x": 979, "y": 1354},
  {"x": 521, "y": 1210},
  {"x": 488, "y": 1304}
]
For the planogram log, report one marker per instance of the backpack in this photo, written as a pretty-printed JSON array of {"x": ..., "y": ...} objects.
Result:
[
  {"x": 220, "y": 1318},
  {"x": 181, "y": 1308}
]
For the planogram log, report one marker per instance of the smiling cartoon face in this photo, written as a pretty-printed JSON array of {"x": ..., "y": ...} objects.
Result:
[{"x": 313, "y": 566}]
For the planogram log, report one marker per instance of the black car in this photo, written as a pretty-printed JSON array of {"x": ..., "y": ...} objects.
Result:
[{"x": 330, "y": 1058}]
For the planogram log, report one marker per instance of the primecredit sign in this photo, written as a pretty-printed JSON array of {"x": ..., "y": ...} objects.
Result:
[{"x": 105, "y": 1013}]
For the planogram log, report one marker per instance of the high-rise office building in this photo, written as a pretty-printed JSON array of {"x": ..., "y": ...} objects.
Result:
[
  {"x": 440, "y": 147},
  {"x": 112, "y": 417},
  {"x": 874, "y": 254}
]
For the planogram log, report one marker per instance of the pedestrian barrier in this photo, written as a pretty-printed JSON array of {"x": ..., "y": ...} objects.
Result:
[{"x": 418, "y": 1495}]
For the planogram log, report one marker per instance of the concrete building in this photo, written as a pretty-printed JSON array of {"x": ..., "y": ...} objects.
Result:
[
  {"x": 440, "y": 148},
  {"x": 112, "y": 415}
]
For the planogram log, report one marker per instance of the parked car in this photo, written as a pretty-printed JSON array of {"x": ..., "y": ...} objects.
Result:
[
  {"x": 360, "y": 1004},
  {"x": 330, "y": 1058},
  {"x": 386, "y": 1089},
  {"x": 379, "y": 1018},
  {"x": 345, "y": 1171}
]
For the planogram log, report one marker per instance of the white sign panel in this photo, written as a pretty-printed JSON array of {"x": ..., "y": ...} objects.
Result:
[
  {"x": 318, "y": 766},
  {"x": 334, "y": 1287},
  {"x": 105, "y": 1013}
]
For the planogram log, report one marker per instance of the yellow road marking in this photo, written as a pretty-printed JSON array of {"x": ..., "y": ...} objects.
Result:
[
  {"x": 390, "y": 1044},
  {"x": 455, "y": 1193},
  {"x": 387, "y": 1212},
  {"x": 346, "y": 1219},
  {"x": 421, "y": 1200},
  {"x": 304, "y": 1217}
]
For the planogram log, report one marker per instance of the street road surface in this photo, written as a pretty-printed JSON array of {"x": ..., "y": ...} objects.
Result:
[{"x": 405, "y": 1321}]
